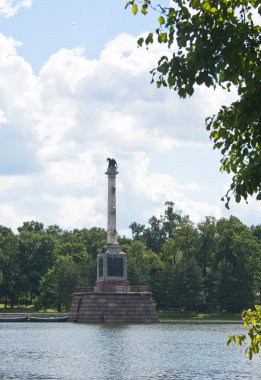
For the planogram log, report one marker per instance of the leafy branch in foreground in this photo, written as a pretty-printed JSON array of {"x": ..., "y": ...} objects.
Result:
[
  {"x": 252, "y": 323},
  {"x": 215, "y": 43}
]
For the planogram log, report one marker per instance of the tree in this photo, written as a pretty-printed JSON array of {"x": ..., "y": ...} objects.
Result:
[
  {"x": 207, "y": 243},
  {"x": 169, "y": 251},
  {"x": 31, "y": 226},
  {"x": 87, "y": 271},
  {"x": 227, "y": 287},
  {"x": 216, "y": 43},
  {"x": 58, "y": 284},
  {"x": 256, "y": 231},
  {"x": 237, "y": 261},
  {"x": 171, "y": 219},
  {"x": 226, "y": 230},
  {"x": 155, "y": 266},
  {"x": 187, "y": 239},
  {"x": 36, "y": 255},
  {"x": 153, "y": 236},
  {"x": 137, "y": 230},
  {"x": 182, "y": 285},
  {"x": 9, "y": 268},
  {"x": 93, "y": 239},
  {"x": 138, "y": 264},
  {"x": 159, "y": 229},
  {"x": 191, "y": 275}
]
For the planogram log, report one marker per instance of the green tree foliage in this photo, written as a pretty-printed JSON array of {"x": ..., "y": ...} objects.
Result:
[
  {"x": 252, "y": 323},
  {"x": 207, "y": 243},
  {"x": 169, "y": 251},
  {"x": 58, "y": 284},
  {"x": 155, "y": 234},
  {"x": 256, "y": 231},
  {"x": 226, "y": 287},
  {"x": 226, "y": 253},
  {"x": 182, "y": 285},
  {"x": 72, "y": 246},
  {"x": 87, "y": 271},
  {"x": 9, "y": 267},
  {"x": 31, "y": 226},
  {"x": 93, "y": 239},
  {"x": 210, "y": 266},
  {"x": 215, "y": 43},
  {"x": 186, "y": 238},
  {"x": 138, "y": 264},
  {"x": 236, "y": 262},
  {"x": 36, "y": 255},
  {"x": 159, "y": 229},
  {"x": 171, "y": 219},
  {"x": 26, "y": 258}
]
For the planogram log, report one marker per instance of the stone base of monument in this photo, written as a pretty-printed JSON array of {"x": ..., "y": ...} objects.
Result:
[
  {"x": 115, "y": 286},
  {"x": 122, "y": 306}
]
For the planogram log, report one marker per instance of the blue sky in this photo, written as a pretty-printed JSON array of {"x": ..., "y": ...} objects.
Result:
[{"x": 75, "y": 90}]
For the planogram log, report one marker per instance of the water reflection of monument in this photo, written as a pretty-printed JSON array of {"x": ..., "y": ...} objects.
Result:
[{"x": 113, "y": 299}]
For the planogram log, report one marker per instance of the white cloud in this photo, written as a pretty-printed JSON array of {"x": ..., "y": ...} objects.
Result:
[
  {"x": 250, "y": 211},
  {"x": 17, "y": 92},
  {"x": 81, "y": 173},
  {"x": 9, "y": 8},
  {"x": 160, "y": 187},
  {"x": 3, "y": 118},
  {"x": 57, "y": 129},
  {"x": 12, "y": 217},
  {"x": 78, "y": 212},
  {"x": 9, "y": 182}
]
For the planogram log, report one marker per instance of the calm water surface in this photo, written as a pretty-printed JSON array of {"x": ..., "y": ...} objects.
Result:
[{"x": 68, "y": 351}]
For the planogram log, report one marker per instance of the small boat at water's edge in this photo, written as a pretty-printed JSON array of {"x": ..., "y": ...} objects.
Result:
[
  {"x": 49, "y": 319},
  {"x": 13, "y": 319}
]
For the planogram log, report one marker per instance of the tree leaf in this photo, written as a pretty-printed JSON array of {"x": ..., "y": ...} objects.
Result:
[
  {"x": 144, "y": 9},
  {"x": 140, "y": 41},
  {"x": 163, "y": 37},
  {"x": 161, "y": 20},
  {"x": 135, "y": 9}
]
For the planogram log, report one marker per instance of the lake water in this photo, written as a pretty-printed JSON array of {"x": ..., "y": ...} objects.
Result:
[{"x": 69, "y": 351}]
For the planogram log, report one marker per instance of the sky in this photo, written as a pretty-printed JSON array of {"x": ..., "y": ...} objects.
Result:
[{"x": 74, "y": 90}]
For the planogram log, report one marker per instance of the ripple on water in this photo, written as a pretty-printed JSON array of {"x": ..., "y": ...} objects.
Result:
[{"x": 70, "y": 351}]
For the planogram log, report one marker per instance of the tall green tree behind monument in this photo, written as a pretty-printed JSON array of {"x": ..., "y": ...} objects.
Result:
[{"x": 58, "y": 284}]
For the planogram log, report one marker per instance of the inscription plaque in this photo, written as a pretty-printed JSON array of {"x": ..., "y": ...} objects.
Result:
[{"x": 115, "y": 266}]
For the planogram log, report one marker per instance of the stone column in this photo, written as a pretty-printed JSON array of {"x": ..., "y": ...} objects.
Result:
[
  {"x": 111, "y": 212},
  {"x": 111, "y": 261}
]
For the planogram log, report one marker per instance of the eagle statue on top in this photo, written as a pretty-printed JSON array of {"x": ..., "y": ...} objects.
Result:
[{"x": 112, "y": 163}]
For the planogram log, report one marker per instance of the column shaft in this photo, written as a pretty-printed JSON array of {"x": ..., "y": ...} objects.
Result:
[{"x": 111, "y": 219}]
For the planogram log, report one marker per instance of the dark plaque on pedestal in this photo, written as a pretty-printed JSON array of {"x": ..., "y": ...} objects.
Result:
[
  {"x": 100, "y": 267},
  {"x": 115, "y": 266}
]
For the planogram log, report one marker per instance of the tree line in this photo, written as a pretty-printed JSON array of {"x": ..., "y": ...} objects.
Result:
[{"x": 214, "y": 265}]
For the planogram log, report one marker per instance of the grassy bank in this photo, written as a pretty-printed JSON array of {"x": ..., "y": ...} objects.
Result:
[
  {"x": 176, "y": 315},
  {"x": 163, "y": 314},
  {"x": 23, "y": 309}
]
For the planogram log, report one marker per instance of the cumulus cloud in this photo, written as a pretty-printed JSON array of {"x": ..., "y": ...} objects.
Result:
[
  {"x": 18, "y": 149},
  {"x": 58, "y": 127},
  {"x": 9, "y": 8},
  {"x": 159, "y": 187}
]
